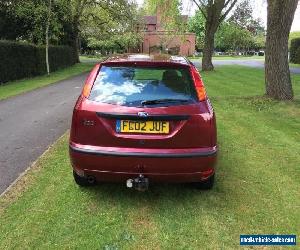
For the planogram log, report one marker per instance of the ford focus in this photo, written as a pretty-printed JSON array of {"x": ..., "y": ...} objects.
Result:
[{"x": 143, "y": 119}]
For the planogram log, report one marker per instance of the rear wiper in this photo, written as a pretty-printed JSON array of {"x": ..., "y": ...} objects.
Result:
[{"x": 158, "y": 101}]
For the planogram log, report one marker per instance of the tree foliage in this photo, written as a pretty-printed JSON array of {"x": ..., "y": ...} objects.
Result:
[
  {"x": 170, "y": 13},
  {"x": 26, "y": 20},
  {"x": 196, "y": 25},
  {"x": 110, "y": 31},
  {"x": 232, "y": 37},
  {"x": 172, "y": 23},
  {"x": 243, "y": 17}
]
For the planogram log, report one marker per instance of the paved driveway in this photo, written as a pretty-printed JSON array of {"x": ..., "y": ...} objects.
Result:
[
  {"x": 250, "y": 63},
  {"x": 30, "y": 122}
]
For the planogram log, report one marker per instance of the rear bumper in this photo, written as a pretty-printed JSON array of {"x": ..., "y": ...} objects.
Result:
[
  {"x": 148, "y": 153},
  {"x": 162, "y": 165}
]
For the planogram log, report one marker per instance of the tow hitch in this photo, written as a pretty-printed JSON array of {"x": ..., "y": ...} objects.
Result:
[{"x": 140, "y": 183}]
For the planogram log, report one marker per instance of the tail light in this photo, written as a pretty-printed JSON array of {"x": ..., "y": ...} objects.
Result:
[
  {"x": 199, "y": 86},
  {"x": 87, "y": 90},
  {"x": 90, "y": 81}
]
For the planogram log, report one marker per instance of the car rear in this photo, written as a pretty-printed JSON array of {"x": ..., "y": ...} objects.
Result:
[{"x": 145, "y": 117}]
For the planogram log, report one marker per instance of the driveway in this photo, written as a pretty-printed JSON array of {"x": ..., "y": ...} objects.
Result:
[
  {"x": 256, "y": 63},
  {"x": 30, "y": 122}
]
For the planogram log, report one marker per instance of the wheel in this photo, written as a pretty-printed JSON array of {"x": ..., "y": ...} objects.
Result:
[
  {"x": 207, "y": 184},
  {"x": 82, "y": 181}
]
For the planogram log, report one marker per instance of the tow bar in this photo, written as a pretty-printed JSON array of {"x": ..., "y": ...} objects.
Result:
[{"x": 140, "y": 183}]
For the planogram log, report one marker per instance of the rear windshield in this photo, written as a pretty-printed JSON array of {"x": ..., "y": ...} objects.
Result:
[{"x": 132, "y": 86}]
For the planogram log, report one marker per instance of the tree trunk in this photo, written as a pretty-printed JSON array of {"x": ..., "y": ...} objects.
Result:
[
  {"x": 277, "y": 73},
  {"x": 47, "y": 37},
  {"x": 213, "y": 15},
  {"x": 75, "y": 42},
  {"x": 212, "y": 12},
  {"x": 208, "y": 51}
]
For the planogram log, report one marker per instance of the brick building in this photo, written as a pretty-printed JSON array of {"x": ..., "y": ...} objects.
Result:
[{"x": 156, "y": 38}]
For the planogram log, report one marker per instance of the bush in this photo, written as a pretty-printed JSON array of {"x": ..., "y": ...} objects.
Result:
[
  {"x": 297, "y": 56},
  {"x": 295, "y": 50},
  {"x": 20, "y": 60}
]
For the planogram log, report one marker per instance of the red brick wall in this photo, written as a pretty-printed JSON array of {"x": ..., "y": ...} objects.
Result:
[{"x": 186, "y": 42}]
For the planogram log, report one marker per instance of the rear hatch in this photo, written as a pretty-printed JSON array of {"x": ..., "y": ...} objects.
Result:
[{"x": 144, "y": 106}]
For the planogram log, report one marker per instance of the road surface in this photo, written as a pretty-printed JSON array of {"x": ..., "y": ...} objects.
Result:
[
  {"x": 255, "y": 63},
  {"x": 31, "y": 122}
]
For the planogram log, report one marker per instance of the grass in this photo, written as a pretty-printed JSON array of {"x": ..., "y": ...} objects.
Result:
[
  {"x": 256, "y": 192},
  {"x": 21, "y": 86},
  {"x": 91, "y": 58},
  {"x": 294, "y": 65}
]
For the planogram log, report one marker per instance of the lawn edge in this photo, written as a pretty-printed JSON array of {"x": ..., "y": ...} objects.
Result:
[
  {"x": 12, "y": 192},
  {"x": 21, "y": 93}
]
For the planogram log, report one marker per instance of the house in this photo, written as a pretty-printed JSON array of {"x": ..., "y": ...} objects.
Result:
[{"x": 156, "y": 38}]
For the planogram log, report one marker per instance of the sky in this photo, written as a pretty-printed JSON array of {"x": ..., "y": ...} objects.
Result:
[{"x": 259, "y": 11}]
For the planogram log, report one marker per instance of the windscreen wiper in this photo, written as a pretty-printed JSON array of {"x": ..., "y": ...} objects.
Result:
[{"x": 159, "y": 101}]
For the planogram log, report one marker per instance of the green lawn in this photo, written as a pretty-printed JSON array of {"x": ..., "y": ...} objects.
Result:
[
  {"x": 294, "y": 65},
  {"x": 90, "y": 58},
  {"x": 256, "y": 192},
  {"x": 21, "y": 86}
]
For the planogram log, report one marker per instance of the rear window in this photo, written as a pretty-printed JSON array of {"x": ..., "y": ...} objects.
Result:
[{"x": 130, "y": 86}]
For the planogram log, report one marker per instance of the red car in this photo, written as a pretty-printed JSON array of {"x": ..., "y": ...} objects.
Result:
[{"x": 144, "y": 119}]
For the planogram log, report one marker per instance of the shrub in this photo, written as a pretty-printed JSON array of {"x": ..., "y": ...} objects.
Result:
[
  {"x": 20, "y": 60},
  {"x": 297, "y": 56},
  {"x": 295, "y": 50}
]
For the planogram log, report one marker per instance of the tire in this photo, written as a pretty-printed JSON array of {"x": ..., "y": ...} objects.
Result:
[
  {"x": 82, "y": 181},
  {"x": 207, "y": 184}
]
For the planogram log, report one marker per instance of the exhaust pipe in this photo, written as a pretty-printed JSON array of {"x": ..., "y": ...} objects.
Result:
[
  {"x": 140, "y": 183},
  {"x": 91, "y": 179}
]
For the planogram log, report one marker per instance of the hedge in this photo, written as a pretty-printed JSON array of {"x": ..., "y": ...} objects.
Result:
[
  {"x": 20, "y": 60},
  {"x": 295, "y": 50}
]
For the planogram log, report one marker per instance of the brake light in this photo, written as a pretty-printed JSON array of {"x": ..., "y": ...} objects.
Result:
[
  {"x": 87, "y": 90},
  {"x": 199, "y": 86},
  {"x": 90, "y": 81}
]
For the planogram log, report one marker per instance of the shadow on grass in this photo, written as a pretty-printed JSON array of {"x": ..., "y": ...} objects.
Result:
[{"x": 160, "y": 194}]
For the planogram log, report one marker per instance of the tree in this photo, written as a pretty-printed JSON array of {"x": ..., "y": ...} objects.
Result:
[
  {"x": 171, "y": 8},
  {"x": 196, "y": 25},
  {"x": 277, "y": 73},
  {"x": 214, "y": 12},
  {"x": 120, "y": 43},
  {"x": 47, "y": 36},
  {"x": 79, "y": 11},
  {"x": 243, "y": 17},
  {"x": 230, "y": 36},
  {"x": 172, "y": 22},
  {"x": 26, "y": 20},
  {"x": 102, "y": 30}
]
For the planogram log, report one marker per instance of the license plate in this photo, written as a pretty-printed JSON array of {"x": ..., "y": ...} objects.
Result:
[{"x": 146, "y": 127}]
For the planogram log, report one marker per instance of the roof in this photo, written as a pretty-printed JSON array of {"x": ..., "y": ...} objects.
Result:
[
  {"x": 150, "y": 19},
  {"x": 145, "y": 58}
]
